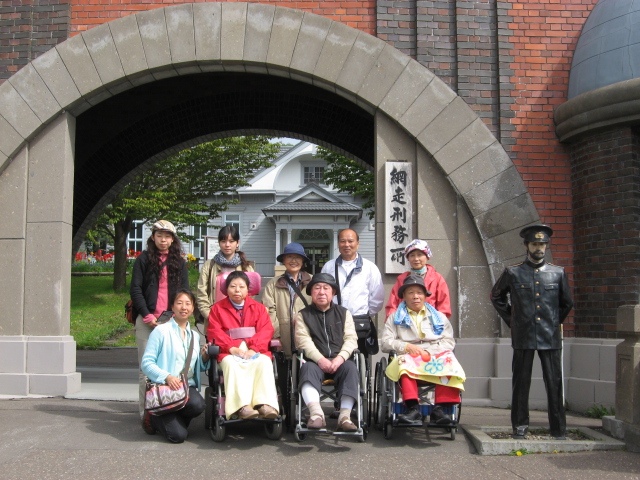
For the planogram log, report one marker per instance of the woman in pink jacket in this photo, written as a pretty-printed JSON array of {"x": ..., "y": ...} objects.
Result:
[{"x": 418, "y": 254}]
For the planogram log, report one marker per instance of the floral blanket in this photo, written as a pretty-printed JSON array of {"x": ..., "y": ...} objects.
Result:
[{"x": 443, "y": 369}]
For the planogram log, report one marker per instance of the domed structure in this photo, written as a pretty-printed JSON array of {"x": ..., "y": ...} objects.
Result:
[{"x": 608, "y": 50}]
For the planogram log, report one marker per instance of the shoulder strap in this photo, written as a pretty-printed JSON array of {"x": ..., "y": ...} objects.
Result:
[
  {"x": 185, "y": 370},
  {"x": 296, "y": 289},
  {"x": 211, "y": 278},
  {"x": 337, "y": 279}
]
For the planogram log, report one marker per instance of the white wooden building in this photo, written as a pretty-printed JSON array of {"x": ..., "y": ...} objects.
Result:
[{"x": 285, "y": 203}]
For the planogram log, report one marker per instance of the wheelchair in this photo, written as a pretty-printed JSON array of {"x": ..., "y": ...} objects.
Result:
[
  {"x": 215, "y": 419},
  {"x": 297, "y": 412},
  {"x": 387, "y": 405}
]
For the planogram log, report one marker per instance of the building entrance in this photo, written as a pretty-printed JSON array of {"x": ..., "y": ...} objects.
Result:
[{"x": 319, "y": 255}]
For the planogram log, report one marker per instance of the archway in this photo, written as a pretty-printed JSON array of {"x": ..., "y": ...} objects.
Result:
[{"x": 345, "y": 76}]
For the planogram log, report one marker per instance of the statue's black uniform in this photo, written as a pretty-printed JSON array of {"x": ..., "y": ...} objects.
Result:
[{"x": 540, "y": 300}]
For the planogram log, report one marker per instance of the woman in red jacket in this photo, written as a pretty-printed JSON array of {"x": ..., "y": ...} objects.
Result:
[{"x": 241, "y": 327}]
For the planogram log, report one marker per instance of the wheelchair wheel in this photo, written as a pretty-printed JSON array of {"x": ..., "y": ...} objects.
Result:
[
  {"x": 292, "y": 421},
  {"x": 219, "y": 431},
  {"x": 383, "y": 386},
  {"x": 376, "y": 398},
  {"x": 300, "y": 436},
  {"x": 387, "y": 430},
  {"x": 208, "y": 409},
  {"x": 452, "y": 430},
  {"x": 273, "y": 430},
  {"x": 364, "y": 388}
]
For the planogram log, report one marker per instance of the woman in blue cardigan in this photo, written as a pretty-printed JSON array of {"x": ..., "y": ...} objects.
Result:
[{"x": 163, "y": 361}]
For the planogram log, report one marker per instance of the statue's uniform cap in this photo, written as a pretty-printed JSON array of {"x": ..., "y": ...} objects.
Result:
[{"x": 537, "y": 233}]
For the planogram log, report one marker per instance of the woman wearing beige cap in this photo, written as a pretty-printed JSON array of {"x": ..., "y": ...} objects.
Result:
[{"x": 158, "y": 273}]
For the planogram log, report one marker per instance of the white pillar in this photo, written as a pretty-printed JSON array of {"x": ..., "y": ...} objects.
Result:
[
  {"x": 278, "y": 235},
  {"x": 288, "y": 236},
  {"x": 37, "y": 354},
  {"x": 336, "y": 252}
]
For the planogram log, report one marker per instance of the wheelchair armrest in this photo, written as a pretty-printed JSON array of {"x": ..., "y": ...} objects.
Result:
[
  {"x": 275, "y": 345},
  {"x": 213, "y": 351},
  {"x": 392, "y": 354}
]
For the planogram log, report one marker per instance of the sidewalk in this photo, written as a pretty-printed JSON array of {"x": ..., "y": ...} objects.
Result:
[{"x": 55, "y": 438}]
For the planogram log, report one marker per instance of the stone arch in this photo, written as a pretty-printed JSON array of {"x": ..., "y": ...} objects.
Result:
[{"x": 39, "y": 106}]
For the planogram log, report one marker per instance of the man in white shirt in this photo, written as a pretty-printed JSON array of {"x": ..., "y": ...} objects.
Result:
[{"x": 361, "y": 289}]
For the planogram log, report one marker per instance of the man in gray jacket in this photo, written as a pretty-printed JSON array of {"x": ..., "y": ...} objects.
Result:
[
  {"x": 533, "y": 298},
  {"x": 326, "y": 333}
]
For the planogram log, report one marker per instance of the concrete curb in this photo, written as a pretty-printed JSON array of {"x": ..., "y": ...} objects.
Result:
[{"x": 485, "y": 445}]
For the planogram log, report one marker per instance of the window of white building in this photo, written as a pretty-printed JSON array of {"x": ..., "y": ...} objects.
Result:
[
  {"x": 232, "y": 219},
  {"x": 312, "y": 174},
  {"x": 199, "y": 231},
  {"x": 136, "y": 239}
]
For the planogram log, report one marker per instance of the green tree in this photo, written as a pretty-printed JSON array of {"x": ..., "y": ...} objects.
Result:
[
  {"x": 176, "y": 189},
  {"x": 349, "y": 176}
]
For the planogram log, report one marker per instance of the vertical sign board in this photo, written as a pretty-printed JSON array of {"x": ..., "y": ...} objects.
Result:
[
  {"x": 398, "y": 214},
  {"x": 211, "y": 247}
]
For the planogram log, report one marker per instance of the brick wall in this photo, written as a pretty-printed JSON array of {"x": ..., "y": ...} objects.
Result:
[
  {"x": 28, "y": 28},
  {"x": 606, "y": 175},
  {"x": 88, "y": 13},
  {"x": 536, "y": 40}
]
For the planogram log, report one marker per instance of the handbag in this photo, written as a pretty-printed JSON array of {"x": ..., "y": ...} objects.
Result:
[
  {"x": 130, "y": 312},
  {"x": 365, "y": 327},
  {"x": 160, "y": 399}
]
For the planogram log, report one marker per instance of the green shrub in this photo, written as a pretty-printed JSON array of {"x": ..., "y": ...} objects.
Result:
[{"x": 599, "y": 411}]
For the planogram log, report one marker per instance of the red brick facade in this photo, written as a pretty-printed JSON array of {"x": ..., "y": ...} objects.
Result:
[
  {"x": 509, "y": 61},
  {"x": 88, "y": 13}
]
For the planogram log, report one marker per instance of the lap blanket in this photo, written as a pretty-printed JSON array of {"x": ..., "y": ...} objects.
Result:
[{"x": 442, "y": 369}]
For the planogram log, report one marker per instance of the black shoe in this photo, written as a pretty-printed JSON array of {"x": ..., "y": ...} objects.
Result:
[
  {"x": 146, "y": 424},
  {"x": 412, "y": 416},
  {"x": 520, "y": 432},
  {"x": 439, "y": 417}
]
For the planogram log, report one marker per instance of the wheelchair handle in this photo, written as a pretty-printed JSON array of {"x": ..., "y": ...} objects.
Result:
[{"x": 213, "y": 351}]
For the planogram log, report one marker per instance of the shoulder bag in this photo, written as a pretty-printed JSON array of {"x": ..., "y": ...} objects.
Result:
[{"x": 160, "y": 399}]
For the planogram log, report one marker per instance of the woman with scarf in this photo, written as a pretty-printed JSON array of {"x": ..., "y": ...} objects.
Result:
[
  {"x": 158, "y": 273},
  {"x": 214, "y": 272},
  {"x": 285, "y": 296},
  {"x": 241, "y": 327},
  {"x": 418, "y": 254},
  {"x": 423, "y": 339}
]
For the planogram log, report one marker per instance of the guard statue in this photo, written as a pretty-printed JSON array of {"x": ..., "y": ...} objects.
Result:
[{"x": 533, "y": 298}]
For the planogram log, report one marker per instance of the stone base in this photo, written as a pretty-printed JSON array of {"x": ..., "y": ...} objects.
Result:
[
  {"x": 623, "y": 431},
  {"x": 32, "y": 365},
  {"x": 485, "y": 445}
]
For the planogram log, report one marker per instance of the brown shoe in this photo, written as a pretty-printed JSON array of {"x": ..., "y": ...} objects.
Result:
[
  {"x": 267, "y": 411},
  {"x": 146, "y": 424},
  {"x": 346, "y": 425},
  {"x": 247, "y": 413},
  {"x": 316, "y": 422}
]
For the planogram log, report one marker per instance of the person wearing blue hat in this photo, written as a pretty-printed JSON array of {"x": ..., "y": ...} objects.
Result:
[
  {"x": 533, "y": 298},
  {"x": 284, "y": 296}
]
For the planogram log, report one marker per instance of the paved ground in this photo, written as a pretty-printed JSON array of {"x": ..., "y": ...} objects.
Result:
[{"x": 58, "y": 438}]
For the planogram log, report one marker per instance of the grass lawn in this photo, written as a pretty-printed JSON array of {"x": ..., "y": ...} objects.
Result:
[{"x": 97, "y": 312}]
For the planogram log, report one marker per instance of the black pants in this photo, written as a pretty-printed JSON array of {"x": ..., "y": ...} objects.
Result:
[
  {"x": 346, "y": 377},
  {"x": 522, "y": 365},
  {"x": 174, "y": 425}
]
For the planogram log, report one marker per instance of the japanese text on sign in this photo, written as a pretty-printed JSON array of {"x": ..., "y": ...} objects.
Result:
[{"x": 398, "y": 214}]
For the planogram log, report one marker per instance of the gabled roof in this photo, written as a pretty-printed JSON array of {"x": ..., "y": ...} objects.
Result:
[
  {"x": 312, "y": 198},
  {"x": 287, "y": 153}
]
